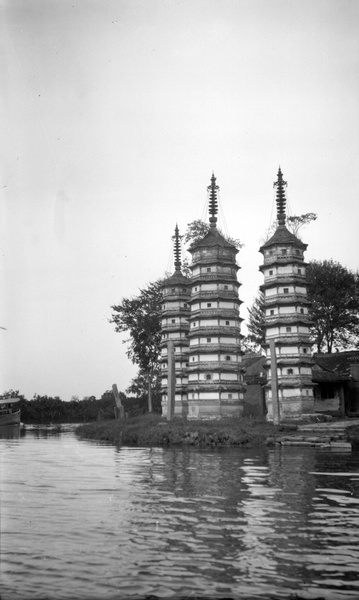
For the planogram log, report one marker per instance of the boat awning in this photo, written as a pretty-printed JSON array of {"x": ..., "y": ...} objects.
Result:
[{"x": 4, "y": 400}]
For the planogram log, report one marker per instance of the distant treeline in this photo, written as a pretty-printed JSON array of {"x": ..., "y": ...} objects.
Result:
[{"x": 44, "y": 409}]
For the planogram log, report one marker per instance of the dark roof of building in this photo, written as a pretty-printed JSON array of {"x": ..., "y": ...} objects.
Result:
[
  {"x": 254, "y": 368},
  {"x": 337, "y": 361},
  {"x": 251, "y": 359},
  {"x": 283, "y": 236},
  {"x": 326, "y": 376},
  {"x": 212, "y": 238},
  {"x": 327, "y": 368},
  {"x": 177, "y": 278},
  {"x": 334, "y": 367}
]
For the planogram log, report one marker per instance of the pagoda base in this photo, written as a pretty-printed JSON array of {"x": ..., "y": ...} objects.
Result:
[
  {"x": 292, "y": 408},
  {"x": 180, "y": 409},
  {"x": 212, "y": 409}
]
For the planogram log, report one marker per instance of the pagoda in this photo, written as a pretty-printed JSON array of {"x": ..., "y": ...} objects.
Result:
[
  {"x": 287, "y": 320},
  {"x": 215, "y": 375},
  {"x": 174, "y": 326}
]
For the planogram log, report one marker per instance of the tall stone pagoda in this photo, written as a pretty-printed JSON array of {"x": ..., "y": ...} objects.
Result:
[
  {"x": 215, "y": 375},
  {"x": 286, "y": 318},
  {"x": 175, "y": 326}
]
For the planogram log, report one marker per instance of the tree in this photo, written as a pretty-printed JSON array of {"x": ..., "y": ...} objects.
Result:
[
  {"x": 334, "y": 294},
  {"x": 197, "y": 229},
  {"x": 139, "y": 388},
  {"x": 255, "y": 325},
  {"x": 297, "y": 221},
  {"x": 138, "y": 385},
  {"x": 293, "y": 224},
  {"x": 140, "y": 317}
]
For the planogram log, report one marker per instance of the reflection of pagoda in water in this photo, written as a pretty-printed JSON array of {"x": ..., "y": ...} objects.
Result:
[
  {"x": 210, "y": 356},
  {"x": 286, "y": 315}
]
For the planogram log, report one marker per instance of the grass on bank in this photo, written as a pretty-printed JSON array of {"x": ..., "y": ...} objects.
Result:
[
  {"x": 154, "y": 430},
  {"x": 353, "y": 436}
]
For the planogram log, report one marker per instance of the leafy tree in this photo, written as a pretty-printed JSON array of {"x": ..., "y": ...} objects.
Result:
[
  {"x": 45, "y": 409},
  {"x": 197, "y": 229},
  {"x": 297, "y": 221},
  {"x": 139, "y": 388},
  {"x": 248, "y": 346},
  {"x": 334, "y": 293},
  {"x": 140, "y": 317},
  {"x": 255, "y": 325},
  {"x": 293, "y": 224}
]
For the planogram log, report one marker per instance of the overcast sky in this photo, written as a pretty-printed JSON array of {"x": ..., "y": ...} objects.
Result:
[{"x": 114, "y": 115}]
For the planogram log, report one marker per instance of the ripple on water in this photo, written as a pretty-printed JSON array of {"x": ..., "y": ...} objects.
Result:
[{"x": 93, "y": 521}]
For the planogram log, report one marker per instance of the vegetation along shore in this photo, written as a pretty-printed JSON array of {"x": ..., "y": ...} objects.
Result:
[{"x": 154, "y": 430}]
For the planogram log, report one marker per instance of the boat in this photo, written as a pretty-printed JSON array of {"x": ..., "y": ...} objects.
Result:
[{"x": 8, "y": 414}]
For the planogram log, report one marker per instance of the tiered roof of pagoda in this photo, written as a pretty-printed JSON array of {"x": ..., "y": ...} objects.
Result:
[{"x": 283, "y": 236}]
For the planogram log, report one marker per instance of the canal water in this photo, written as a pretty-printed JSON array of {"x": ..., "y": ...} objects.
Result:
[{"x": 84, "y": 520}]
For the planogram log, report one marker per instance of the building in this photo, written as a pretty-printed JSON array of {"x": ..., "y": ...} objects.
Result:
[
  {"x": 215, "y": 374},
  {"x": 175, "y": 326},
  {"x": 337, "y": 383},
  {"x": 286, "y": 317}
]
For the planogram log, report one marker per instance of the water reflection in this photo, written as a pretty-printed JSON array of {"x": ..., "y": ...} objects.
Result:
[
  {"x": 9, "y": 432},
  {"x": 249, "y": 514},
  {"x": 93, "y": 521}
]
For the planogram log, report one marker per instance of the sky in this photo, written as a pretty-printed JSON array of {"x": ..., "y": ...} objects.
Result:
[{"x": 114, "y": 115}]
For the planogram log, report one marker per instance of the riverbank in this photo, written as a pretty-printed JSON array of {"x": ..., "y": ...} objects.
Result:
[{"x": 154, "y": 430}]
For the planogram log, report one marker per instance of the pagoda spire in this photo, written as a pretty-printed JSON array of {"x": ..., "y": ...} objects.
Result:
[
  {"x": 280, "y": 184},
  {"x": 177, "y": 248},
  {"x": 213, "y": 204}
]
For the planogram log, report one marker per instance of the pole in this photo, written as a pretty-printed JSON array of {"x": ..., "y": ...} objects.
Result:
[
  {"x": 171, "y": 381},
  {"x": 274, "y": 384},
  {"x": 149, "y": 387},
  {"x": 120, "y": 409}
]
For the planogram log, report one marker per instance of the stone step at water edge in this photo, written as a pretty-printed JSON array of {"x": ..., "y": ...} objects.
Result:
[
  {"x": 325, "y": 438},
  {"x": 338, "y": 447},
  {"x": 335, "y": 446},
  {"x": 302, "y": 443},
  {"x": 312, "y": 441},
  {"x": 331, "y": 445},
  {"x": 327, "y": 426},
  {"x": 313, "y": 437},
  {"x": 317, "y": 431}
]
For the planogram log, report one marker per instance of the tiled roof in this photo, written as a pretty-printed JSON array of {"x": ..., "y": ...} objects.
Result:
[
  {"x": 327, "y": 376},
  {"x": 283, "y": 236},
  {"x": 176, "y": 278},
  {"x": 212, "y": 238},
  {"x": 251, "y": 359},
  {"x": 337, "y": 362},
  {"x": 254, "y": 367}
]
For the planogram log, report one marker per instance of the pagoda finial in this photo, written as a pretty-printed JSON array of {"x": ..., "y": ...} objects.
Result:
[
  {"x": 280, "y": 184},
  {"x": 177, "y": 249},
  {"x": 213, "y": 204}
]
